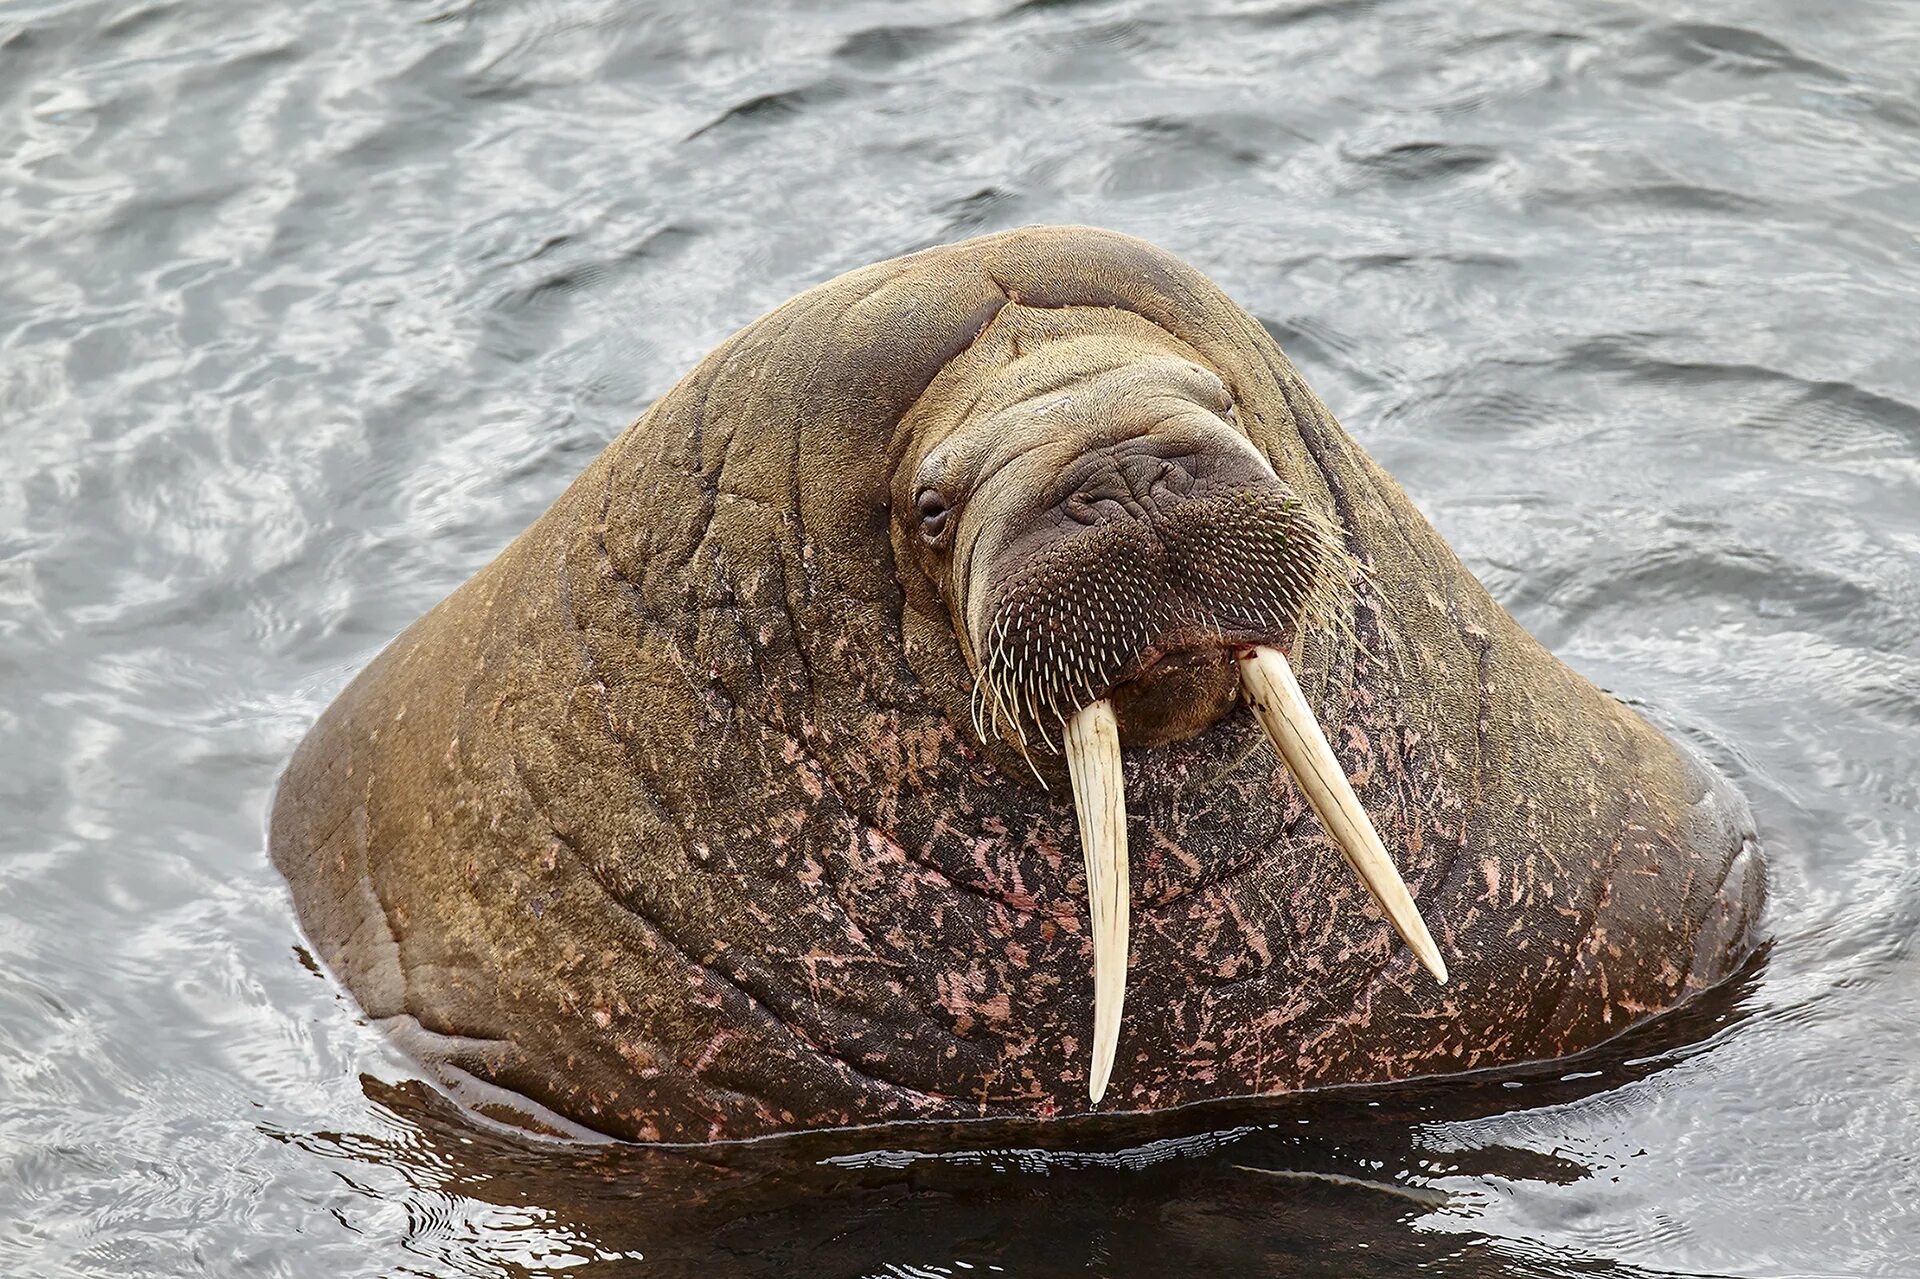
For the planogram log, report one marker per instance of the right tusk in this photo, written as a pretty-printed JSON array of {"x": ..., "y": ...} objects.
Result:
[
  {"x": 1283, "y": 711},
  {"x": 1100, "y": 802}
]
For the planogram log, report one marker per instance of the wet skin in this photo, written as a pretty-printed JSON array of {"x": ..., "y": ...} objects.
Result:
[{"x": 682, "y": 819}]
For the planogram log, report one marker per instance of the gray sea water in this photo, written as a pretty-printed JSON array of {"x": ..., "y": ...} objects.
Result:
[{"x": 305, "y": 310}]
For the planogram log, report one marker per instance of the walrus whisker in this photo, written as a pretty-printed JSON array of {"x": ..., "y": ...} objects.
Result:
[
  {"x": 1099, "y": 798},
  {"x": 990, "y": 678},
  {"x": 974, "y": 700},
  {"x": 1283, "y": 711},
  {"x": 1035, "y": 708}
]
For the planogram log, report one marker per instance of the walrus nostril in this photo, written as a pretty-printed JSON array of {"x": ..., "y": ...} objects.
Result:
[{"x": 1133, "y": 484}]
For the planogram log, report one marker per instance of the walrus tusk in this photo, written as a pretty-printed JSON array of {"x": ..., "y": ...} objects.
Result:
[
  {"x": 1283, "y": 711},
  {"x": 1100, "y": 801}
]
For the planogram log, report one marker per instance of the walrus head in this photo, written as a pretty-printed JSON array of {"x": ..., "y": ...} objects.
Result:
[{"x": 1125, "y": 572}]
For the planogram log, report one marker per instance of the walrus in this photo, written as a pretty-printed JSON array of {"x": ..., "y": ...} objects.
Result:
[{"x": 991, "y": 685}]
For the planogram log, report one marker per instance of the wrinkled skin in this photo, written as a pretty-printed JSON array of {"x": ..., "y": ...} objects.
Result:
[{"x": 675, "y": 823}]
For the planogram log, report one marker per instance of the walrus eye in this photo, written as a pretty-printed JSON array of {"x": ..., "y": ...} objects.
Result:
[{"x": 934, "y": 511}]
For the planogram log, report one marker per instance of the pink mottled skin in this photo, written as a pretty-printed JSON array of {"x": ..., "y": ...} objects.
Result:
[{"x": 675, "y": 820}]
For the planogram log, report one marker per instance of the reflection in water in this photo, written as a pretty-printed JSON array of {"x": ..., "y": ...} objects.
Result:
[{"x": 1363, "y": 1181}]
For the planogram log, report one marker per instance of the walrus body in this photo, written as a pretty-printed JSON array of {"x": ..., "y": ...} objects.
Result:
[{"x": 682, "y": 821}]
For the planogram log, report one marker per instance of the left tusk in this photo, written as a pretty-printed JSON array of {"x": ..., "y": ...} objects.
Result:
[
  {"x": 1283, "y": 711},
  {"x": 1100, "y": 802}
]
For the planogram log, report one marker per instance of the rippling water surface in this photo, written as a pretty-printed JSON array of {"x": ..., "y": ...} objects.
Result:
[{"x": 305, "y": 310}]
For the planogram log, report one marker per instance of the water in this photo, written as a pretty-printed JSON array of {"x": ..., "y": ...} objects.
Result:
[{"x": 305, "y": 310}]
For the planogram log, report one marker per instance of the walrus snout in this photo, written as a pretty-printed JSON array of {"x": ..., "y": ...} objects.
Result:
[{"x": 1130, "y": 589}]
